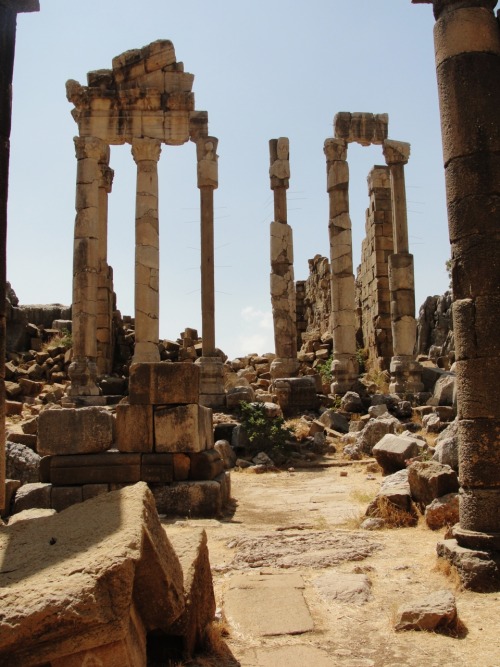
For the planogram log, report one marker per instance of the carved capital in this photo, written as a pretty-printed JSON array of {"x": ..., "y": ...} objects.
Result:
[
  {"x": 279, "y": 170},
  {"x": 107, "y": 175},
  {"x": 208, "y": 171},
  {"x": 146, "y": 149},
  {"x": 335, "y": 149},
  {"x": 91, "y": 147},
  {"x": 396, "y": 152}
]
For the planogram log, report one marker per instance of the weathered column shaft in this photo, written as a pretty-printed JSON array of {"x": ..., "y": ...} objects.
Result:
[
  {"x": 344, "y": 365},
  {"x": 105, "y": 278},
  {"x": 207, "y": 271},
  {"x": 283, "y": 300},
  {"x": 83, "y": 371},
  {"x": 467, "y": 48},
  {"x": 405, "y": 371},
  {"x": 146, "y": 153}
]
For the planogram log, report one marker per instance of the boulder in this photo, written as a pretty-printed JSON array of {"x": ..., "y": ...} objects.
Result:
[
  {"x": 335, "y": 421},
  {"x": 444, "y": 389},
  {"x": 31, "y": 496},
  {"x": 446, "y": 446},
  {"x": 437, "y": 611},
  {"x": 227, "y": 453},
  {"x": 442, "y": 512},
  {"x": 375, "y": 430},
  {"x": 392, "y": 452},
  {"x": 22, "y": 463},
  {"x": 351, "y": 402},
  {"x": 394, "y": 489},
  {"x": 429, "y": 480},
  {"x": 114, "y": 577}
]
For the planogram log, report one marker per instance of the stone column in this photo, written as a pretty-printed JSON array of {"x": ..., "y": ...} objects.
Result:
[
  {"x": 212, "y": 392},
  {"x": 8, "y": 18},
  {"x": 344, "y": 364},
  {"x": 467, "y": 48},
  {"x": 146, "y": 153},
  {"x": 282, "y": 279},
  {"x": 406, "y": 373},
  {"x": 105, "y": 277},
  {"x": 83, "y": 369}
]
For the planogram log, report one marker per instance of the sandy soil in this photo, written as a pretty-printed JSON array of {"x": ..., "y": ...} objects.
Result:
[{"x": 318, "y": 504}]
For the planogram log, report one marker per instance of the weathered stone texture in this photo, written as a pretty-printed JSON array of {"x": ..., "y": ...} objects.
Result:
[
  {"x": 74, "y": 431},
  {"x": 164, "y": 383}
]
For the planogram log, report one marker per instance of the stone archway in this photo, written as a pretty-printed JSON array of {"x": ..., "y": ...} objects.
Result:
[
  {"x": 145, "y": 100},
  {"x": 367, "y": 129}
]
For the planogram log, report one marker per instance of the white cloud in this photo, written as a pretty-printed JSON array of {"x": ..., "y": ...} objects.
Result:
[{"x": 260, "y": 318}]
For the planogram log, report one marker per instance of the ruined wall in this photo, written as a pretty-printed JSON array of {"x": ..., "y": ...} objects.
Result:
[
  {"x": 314, "y": 310},
  {"x": 372, "y": 283},
  {"x": 435, "y": 327}
]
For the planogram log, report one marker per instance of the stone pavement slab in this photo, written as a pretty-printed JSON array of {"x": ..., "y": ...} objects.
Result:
[{"x": 266, "y": 605}]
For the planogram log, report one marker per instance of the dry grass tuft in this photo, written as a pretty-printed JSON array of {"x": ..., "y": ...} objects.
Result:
[
  {"x": 446, "y": 568},
  {"x": 394, "y": 516}
]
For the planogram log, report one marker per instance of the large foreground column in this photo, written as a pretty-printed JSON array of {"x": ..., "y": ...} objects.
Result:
[
  {"x": 212, "y": 392},
  {"x": 83, "y": 369},
  {"x": 344, "y": 364},
  {"x": 282, "y": 277},
  {"x": 146, "y": 153},
  {"x": 8, "y": 17},
  {"x": 467, "y": 48},
  {"x": 406, "y": 373}
]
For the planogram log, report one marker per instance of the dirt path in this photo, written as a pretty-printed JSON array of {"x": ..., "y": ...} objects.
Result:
[{"x": 305, "y": 523}]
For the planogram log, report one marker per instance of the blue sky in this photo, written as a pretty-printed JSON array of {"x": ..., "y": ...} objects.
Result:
[{"x": 262, "y": 70}]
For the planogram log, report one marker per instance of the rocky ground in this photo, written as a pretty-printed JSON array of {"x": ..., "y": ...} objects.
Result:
[{"x": 298, "y": 583}]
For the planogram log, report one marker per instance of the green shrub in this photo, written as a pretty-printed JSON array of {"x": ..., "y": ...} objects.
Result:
[
  {"x": 325, "y": 369},
  {"x": 265, "y": 433}
]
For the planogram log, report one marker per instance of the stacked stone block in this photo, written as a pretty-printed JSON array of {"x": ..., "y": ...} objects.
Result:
[
  {"x": 467, "y": 51},
  {"x": 373, "y": 274},
  {"x": 162, "y": 436}
]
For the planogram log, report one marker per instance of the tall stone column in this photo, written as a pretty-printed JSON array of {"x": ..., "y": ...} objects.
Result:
[
  {"x": 8, "y": 19},
  {"x": 212, "y": 392},
  {"x": 467, "y": 49},
  {"x": 406, "y": 373},
  {"x": 146, "y": 153},
  {"x": 83, "y": 369},
  {"x": 105, "y": 277},
  {"x": 282, "y": 278},
  {"x": 344, "y": 364}
]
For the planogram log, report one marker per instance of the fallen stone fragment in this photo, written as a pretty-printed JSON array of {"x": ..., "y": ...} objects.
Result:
[
  {"x": 348, "y": 588},
  {"x": 436, "y": 612},
  {"x": 393, "y": 451},
  {"x": 442, "y": 511},
  {"x": 429, "y": 480}
]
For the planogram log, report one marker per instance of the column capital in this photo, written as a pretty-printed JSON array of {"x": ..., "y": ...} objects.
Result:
[
  {"x": 207, "y": 168},
  {"x": 444, "y": 6},
  {"x": 279, "y": 156},
  {"x": 91, "y": 147},
  {"x": 396, "y": 152},
  {"x": 146, "y": 149},
  {"x": 335, "y": 149}
]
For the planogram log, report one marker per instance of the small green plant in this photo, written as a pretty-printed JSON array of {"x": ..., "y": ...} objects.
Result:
[
  {"x": 265, "y": 433},
  {"x": 361, "y": 358},
  {"x": 66, "y": 339},
  {"x": 325, "y": 369}
]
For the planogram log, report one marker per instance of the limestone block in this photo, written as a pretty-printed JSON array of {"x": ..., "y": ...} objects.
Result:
[
  {"x": 164, "y": 383},
  {"x": 93, "y": 490},
  {"x": 158, "y": 54},
  {"x": 157, "y": 468},
  {"x": 394, "y": 489},
  {"x": 479, "y": 453},
  {"x": 153, "y": 124},
  {"x": 429, "y": 480},
  {"x": 206, "y": 465},
  {"x": 65, "y": 496},
  {"x": 74, "y": 431},
  {"x": 109, "y": 559},
  {"x": 184, "y": 428},
  {"x": 192, "y": 551},
  {"x": 477, "y": 389},
  {"x": 176, "y": 127},
  {"x": 392, "y": 452},
  {"x": 198, "y": 125},
  {"x": 181, "y": 464},
  {"x": 178, "y": 82},
  {"x": 396, "y": 152},
  {"x": 30, "y": 496},
  {"x": 180, "y": 101},
  {"x": 281, "y": 243},
  {"x": 442, "y": 512},
  {"x": 107, "y": 468},
  {"x": 134, "y": 428},
  {"x": 434, "y": 612},
  {"x": 203, "y": 499},
  {"x": 335, "y": 149}
]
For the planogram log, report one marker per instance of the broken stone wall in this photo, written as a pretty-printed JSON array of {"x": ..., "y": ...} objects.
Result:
[
  {"x": 435, "y": 327},
  {"x": 316, "y": 307},
  {"x": 372, "y": 284}
]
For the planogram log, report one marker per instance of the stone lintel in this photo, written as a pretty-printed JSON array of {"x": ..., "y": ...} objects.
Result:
[{"x": 22, "y": 6}]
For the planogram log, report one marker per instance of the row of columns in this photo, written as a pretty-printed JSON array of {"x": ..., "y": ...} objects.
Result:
[
  {"x": 405, "y": 371},
  {"x": 92, "y": 277}
]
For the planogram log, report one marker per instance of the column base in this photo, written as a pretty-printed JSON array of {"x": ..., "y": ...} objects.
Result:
[
  {"x": 406, "y": 375},
  {"x": 478, "y": 570},
  {"x": 345, "y": 373},
  {"x": 146, "y": 352},
  {"x": 212, "y": 392},
  {"x": 284, "y": 368},
  {"x": 83, "y": 374}
]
